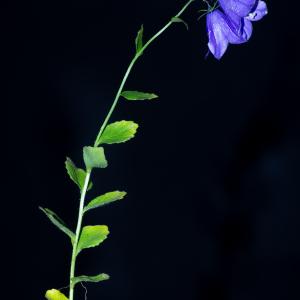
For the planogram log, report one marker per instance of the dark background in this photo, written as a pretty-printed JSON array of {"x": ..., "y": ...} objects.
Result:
[{"x": 212, "y": 176}]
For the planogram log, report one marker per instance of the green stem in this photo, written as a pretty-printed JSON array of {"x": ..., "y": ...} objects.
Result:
[
  {"x": 132, "y": 63},
  {"x": 114, "y": 104},
  {"x": 78, "y": 231}
]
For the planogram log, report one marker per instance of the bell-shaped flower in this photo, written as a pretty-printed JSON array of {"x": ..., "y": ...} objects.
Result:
[
  {"x": 231, "y": 24},
  {"x": 222, "y": 31}
]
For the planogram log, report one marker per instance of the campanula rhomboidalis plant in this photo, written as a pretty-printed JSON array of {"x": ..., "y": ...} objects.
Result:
[{"x": 227, "y": 22}]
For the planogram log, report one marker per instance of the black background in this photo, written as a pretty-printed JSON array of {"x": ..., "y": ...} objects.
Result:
[{"x": 212, "y": 176}]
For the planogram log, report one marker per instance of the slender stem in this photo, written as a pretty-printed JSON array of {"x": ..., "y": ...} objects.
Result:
[
  {"x": 88, "y": 174},
  {"x": 132, "y": 63},
  {"x": 78, "y": 230},
  {"x": 115, "y": 102}
]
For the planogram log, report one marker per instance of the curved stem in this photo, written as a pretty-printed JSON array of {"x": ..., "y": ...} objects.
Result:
[
  {"x": 88, "y": 174},
  {"x": 132, "y": 63}
]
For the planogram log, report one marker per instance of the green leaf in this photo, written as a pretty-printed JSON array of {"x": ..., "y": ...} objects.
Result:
[
  {"x": 92, "y": 236},
  {"x": 84, "y": 278},
  {"x": 139, "y": 40},
  {"x": 105, "y": 199},
  {"x": 118, "y": 132},
  {"x": 94, "y": 157},
  {"x": 135, "y": 95},
  {"x": 55, "y": 295},
  {"x": 77, "y": 175},
  {"x": 179, "y": 20},
  {"x": 58, "y": 222}
]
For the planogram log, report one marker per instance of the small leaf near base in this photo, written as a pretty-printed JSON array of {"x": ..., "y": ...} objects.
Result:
[
  {"x": 84, "y": 278},
  {"x": 55, "y": 295}
]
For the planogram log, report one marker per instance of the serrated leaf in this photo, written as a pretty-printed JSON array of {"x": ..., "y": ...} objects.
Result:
[
  {"x": 105, "y": 199},
  {"x": 118, "y": 132},
  {"x": 84, "y": 278},
  {"x": 136, "y": 95},
  {"x": 139, "y": 40},
  {"x": 92, "y": 236},
  {"x": 179, "y": 20},
  {"x": 55, "y": 295},
  {"x": 58, "y": 222},
  {"x": 94, "y": 157},
  {"x": 77, "y": 175}
]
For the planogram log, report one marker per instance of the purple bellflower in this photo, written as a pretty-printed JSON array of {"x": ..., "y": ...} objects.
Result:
[{"x": 231, "y": 24}]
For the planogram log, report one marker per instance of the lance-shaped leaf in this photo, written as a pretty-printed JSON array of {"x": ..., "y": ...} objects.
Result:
[
  {"x": 58, "y": 222},
  {"x": 179, "y": 20},
  {"x": 94, "y": 157},
  {"x": 55, "y": 295},
  {"x": 77, "y": 175},
  {"x": 84, "y": 278},
  {"x": 118, "y": 132},
  {"x": 139, "y": 40},
  {"x": 136, "y": 95},
  {"x": 92, "y": 236},
  {"x": 105, "y": 199}
]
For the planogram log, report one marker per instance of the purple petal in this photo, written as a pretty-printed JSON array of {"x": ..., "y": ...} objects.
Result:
[
  {"x": 237, "y": 30},
  {"x": 260, "y": 11},
  {"x": 241, "y": 8},
  {"x": 247, "y": 29},
  {"x": 234, "y": 22},
  {"x": 243, "y": 36},
  {"x": 218, "y": 42}
]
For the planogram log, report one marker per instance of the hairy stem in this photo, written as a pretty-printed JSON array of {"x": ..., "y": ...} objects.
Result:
[{"x": 114, "y": 104}]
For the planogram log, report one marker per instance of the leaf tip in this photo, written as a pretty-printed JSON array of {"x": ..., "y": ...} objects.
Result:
[{"x": 43, "y": 209}]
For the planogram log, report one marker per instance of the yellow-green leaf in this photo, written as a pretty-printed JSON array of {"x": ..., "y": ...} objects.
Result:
[
  {"x": 84, "y": 278},
  {"x": 94, "y": 157},
  {"x": 139, "y": 40},
  {"x": 58, "y": 222},
  {"x": 92, "y": 236},
  {"x": 105, "y": 199},
  {"x": 118, "y": 132},
  {"x": 136, "y": 95},
  {"x": 55, "y": 295},
  {"x": 77, "y": 175}
]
